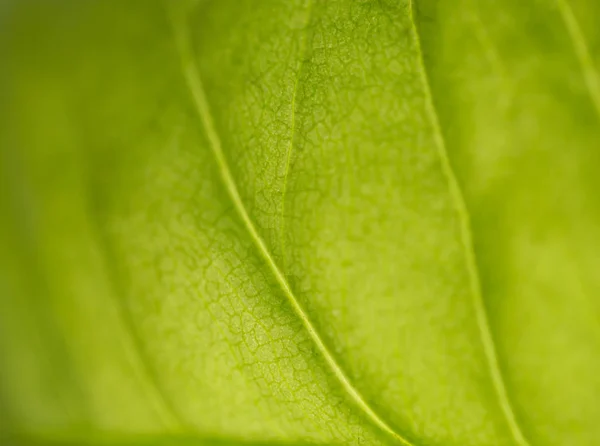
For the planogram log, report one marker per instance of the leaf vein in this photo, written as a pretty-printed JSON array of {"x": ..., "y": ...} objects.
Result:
[
  {"x": 303, "y": 49},
  {"x": 471, "y": 261},
  {"x": 194, "y": 83},
  {"x": 582, "y": 52}
]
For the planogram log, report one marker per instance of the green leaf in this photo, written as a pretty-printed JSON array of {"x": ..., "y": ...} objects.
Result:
[{"x": 300, "y": 222}]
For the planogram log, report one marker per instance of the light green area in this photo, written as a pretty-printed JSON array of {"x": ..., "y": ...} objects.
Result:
[{"x": 244, "y": 222}]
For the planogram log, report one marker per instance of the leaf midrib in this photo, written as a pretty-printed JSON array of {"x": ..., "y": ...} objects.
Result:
[{"x": 194, "y": 83}]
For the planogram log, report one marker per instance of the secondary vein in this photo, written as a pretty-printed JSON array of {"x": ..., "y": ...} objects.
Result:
[
  {"x": 194, "y": 82},
  {"x": 590, "y": 74},
  {"x": 133, "y": 344},
  {"x": 303, "y": 48},
  {"x": 465, "y": 230}
]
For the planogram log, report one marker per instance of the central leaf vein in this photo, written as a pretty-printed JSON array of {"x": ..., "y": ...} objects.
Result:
[{"x": 194, "y": 82}]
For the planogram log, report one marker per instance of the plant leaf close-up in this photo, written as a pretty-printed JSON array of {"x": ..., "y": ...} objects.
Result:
[{"x": 294, "y": 222}]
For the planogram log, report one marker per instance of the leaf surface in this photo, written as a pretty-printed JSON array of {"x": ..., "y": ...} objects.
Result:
[{"x": 320, "y": 222}]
